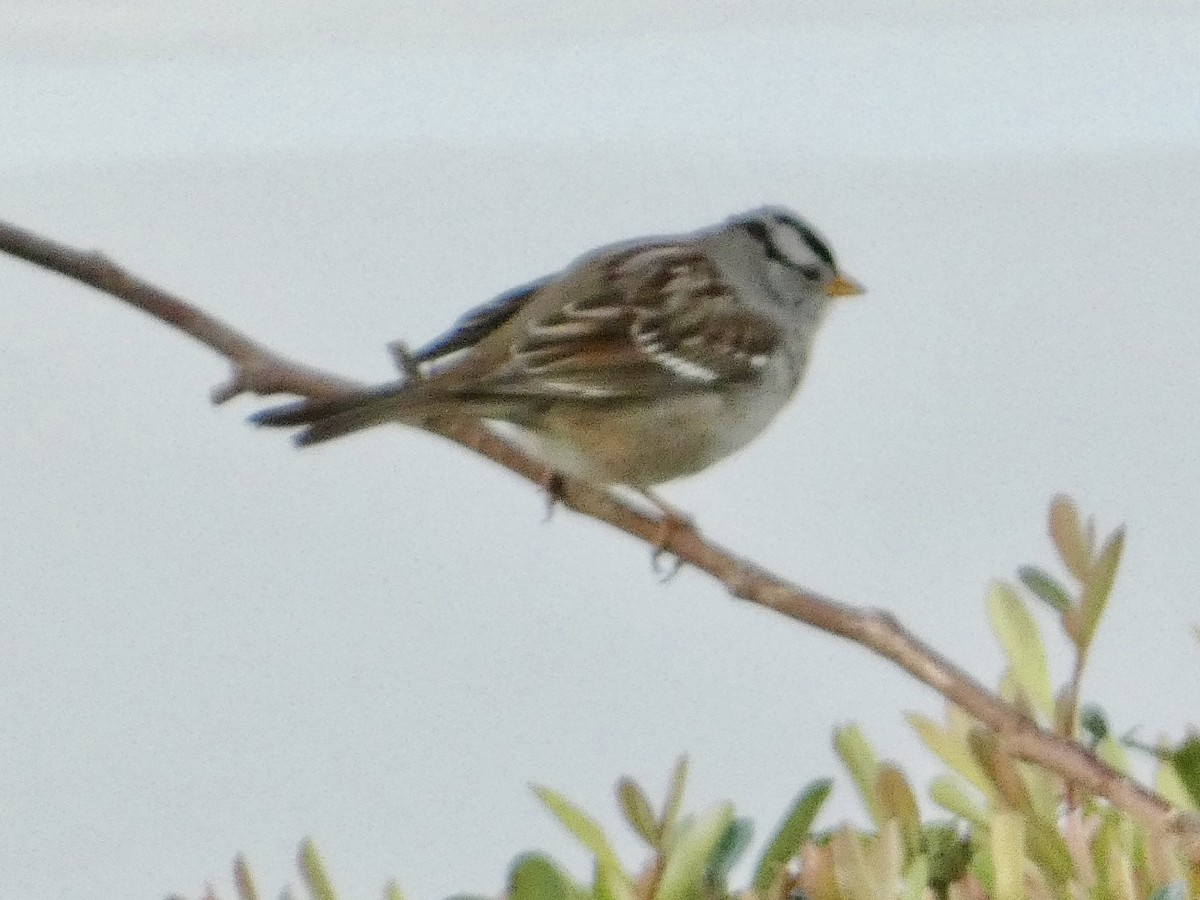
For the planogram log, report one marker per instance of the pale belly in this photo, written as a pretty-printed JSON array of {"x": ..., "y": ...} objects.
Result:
[{"x": 649, "y": 443}]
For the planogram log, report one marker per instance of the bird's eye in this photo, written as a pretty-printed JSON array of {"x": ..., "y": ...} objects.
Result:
[{"x": 812, "y": 273}]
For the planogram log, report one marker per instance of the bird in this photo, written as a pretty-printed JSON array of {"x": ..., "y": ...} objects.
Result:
[{"x": 638, "y": 363}]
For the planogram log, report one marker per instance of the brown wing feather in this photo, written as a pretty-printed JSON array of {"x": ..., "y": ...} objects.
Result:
[{"x": 666, "y": 323}]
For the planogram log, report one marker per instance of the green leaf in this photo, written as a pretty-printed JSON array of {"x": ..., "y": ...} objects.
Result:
[
  {"x": 859, "y": 757},
  {"x": 243, "y": 879},
  {"x": 688, "y": 862},
  {"x": 312, "y": 870},
  {"x": 674, "y": 797},
  {"x": 948, "y": 855},
  {"x": 1169, "y": 786},
  {"x": 536, "y": 877},
  {"x": 1094, "y": 722},
  {"x": 605, "y": 889},
  {"x": 1068, "y": 537},
  {"x": 1113, "y": 753},
  {"x": 1098, "y": 588},
  {"x": 1001, "y": 768},
  {"x": 590, "y": 834},
  {"x": 729, "y": 849},
  {"x": 792, "y": 833},
  {"x": 1007, "y": 842},
  {"x": 951, "y": 749},
  {"x": 898, "y": 804},
  {"x": 916, "y": 879},
  {"x": 948, "y": 793},
  {"x": 682, "y": 823},
  {"x": 638, "y": 813},
  {"x": 1108, "y": 847},
  {"x": 392, "y": 892},
  {"x": 1045, "y": 587},
  {"x": 1186, "y": 761},
  {"x": 1022, "y": 644},
  {"x": 1047, "y": 848},
  {"x": 1045, "y": 791}
]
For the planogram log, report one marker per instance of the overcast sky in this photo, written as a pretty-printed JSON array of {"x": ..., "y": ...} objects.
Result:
[{"x": 215, "y": 643}]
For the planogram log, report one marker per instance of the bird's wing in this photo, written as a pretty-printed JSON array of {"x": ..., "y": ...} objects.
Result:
[{"x": 652, "y": 320}]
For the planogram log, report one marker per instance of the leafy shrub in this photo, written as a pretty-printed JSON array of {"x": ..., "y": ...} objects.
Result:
[{"x": 1014, "y": 830}]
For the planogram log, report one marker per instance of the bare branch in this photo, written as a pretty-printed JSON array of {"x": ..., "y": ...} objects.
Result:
[
  {"x": 260, "y": 371},
  {"x": 255, "y": 368}
]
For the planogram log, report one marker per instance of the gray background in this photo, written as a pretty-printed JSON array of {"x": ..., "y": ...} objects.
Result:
[{"x": 213, "y": 643}]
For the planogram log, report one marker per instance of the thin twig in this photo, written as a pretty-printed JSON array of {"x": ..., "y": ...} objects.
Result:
[{"x": 260, "y": 371}]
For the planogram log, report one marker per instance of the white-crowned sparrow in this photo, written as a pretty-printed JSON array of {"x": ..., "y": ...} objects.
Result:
[{"x": 638, "y": 363}]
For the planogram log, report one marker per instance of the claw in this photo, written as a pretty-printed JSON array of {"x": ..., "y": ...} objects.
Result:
[
  {"x": 552, "y": 483},
  {"x": 670, "y": 522},
  {"x": 664, "y": 573}
]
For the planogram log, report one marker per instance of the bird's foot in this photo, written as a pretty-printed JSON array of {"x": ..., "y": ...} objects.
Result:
[
  {"x": 551, "y": 482},
  {"x": 670, "y": 523}
]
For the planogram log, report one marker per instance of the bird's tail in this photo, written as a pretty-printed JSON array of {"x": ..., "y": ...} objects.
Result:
[
  {"x": 405, "y": 403},
  {"x": 329, "y": 419}
]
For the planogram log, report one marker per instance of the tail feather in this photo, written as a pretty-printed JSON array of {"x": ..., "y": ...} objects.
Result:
[
  {"x": 328, "y": 419},
  {"x": 299, "y": 413},
  {"x": 339, "y": 424}
]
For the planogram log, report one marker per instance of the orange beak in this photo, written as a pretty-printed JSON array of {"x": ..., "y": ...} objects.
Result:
[{"x": 844, "y": 286}]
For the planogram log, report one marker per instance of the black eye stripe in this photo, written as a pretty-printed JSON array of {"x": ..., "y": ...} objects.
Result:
[
  {"x": 758, "y": 231},
  {"x": 815, "y": 244}
]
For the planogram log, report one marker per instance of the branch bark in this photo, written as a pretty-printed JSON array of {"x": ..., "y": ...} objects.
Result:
[{"x": 258, "y": 370}]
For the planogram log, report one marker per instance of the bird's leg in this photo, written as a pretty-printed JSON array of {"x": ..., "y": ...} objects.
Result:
[
  {"x": 671, "y": 521},
  {"x": 551, "y": 481}
]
